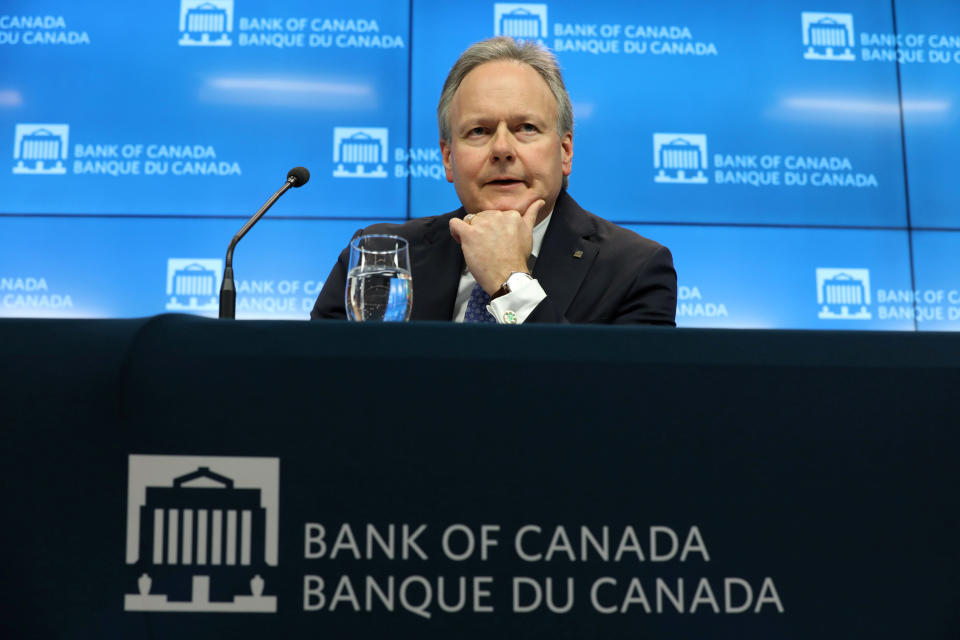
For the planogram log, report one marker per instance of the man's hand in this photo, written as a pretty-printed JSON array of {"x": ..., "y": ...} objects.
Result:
[{"x": 496, "y": 243}]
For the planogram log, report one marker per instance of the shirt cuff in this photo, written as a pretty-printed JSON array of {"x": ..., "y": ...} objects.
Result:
[{"x": 516, "y": 306}]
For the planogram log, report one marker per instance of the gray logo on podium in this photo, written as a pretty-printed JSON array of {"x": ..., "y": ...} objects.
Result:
[{"x": 202, "y": 533}]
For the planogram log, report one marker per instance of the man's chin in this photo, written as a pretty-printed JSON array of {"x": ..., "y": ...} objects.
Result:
[{"x": 510, "y": 202}]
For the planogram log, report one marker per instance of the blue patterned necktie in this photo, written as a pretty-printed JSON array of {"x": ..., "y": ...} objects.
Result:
[{"x": 477, "y": 306}]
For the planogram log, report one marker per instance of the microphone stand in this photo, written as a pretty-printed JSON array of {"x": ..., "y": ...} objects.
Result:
[{"x": 228, "y": 291}]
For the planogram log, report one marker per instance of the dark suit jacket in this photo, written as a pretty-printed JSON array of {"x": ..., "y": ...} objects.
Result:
[{"x": 620, "y": 276}]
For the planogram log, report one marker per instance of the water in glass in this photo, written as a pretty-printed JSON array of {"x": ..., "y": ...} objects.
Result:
[{"x": 379, "y": 286}]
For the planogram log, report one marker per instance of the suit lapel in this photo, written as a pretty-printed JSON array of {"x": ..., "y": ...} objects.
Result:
[
  {"x": 560, "y": 267},
  {"x": 436, "y": 263}
]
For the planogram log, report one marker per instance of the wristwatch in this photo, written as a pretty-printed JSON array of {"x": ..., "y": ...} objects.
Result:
[{"x": 514, "y": 280}]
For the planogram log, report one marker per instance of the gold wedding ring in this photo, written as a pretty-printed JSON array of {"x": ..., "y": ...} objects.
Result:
[{"x": 469, "y": 218}]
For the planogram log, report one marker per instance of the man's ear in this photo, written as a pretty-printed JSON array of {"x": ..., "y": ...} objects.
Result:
[
  {"x": 566, "y": 152},
  {"x": 445, "y": 153}
]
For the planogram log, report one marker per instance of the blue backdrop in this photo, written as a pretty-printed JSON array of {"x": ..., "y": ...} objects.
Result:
[{"x": 797, "y": 162}]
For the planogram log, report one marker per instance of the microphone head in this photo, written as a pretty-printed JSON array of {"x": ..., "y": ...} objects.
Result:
[{"x": 299, "y": 176}]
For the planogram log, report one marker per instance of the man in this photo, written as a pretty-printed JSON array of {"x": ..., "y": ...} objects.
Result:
[{"x": 519, "y": 249}]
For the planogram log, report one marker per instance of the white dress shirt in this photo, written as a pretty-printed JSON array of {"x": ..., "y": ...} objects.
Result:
[{"x": 521, "y": 301}]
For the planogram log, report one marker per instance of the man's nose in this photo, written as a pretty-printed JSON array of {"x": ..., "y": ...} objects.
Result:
[{"x": 502, "y": 144}]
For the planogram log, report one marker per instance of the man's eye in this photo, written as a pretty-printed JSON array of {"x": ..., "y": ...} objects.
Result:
[
  {"x": 476, "y": 131},
  {"x": 526, "y": 127}
]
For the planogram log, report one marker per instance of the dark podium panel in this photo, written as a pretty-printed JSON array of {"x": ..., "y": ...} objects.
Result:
[{"x": 176, "y": 477}]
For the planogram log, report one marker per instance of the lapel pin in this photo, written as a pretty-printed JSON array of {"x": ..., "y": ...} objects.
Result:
[{"x": 578, "y": 253}]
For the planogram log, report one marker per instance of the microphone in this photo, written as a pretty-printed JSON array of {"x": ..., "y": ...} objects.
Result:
[{"x": 296, "y": 177}]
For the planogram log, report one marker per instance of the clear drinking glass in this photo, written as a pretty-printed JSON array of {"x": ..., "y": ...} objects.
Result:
[{"x": 379, "y": 286}]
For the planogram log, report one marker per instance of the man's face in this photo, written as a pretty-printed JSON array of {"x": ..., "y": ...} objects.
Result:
[{"x": 504, "y": 152}]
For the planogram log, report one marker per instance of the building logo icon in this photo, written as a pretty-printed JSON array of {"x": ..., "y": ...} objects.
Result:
[
  {"x": 827, "y": 36},
  {"x": 360, "y": 152},
  {"x": 843, "y": 294},
  {"x": 193, "y": 284},
  {"x": 206, "y": 23},
  {"x": 202, "y": 533},
  {"x": 40, "y": 149},
  {"x": 521, "y": 21},
  {"x": 680, "y": 158}
]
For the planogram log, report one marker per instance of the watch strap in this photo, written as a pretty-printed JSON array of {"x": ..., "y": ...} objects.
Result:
[{"x": 506, "y": 287}]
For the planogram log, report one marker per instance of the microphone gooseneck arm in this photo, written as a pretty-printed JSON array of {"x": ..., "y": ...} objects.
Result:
[
  {"x": 228, "y": 293},
  {"x": 254, "y": 220}
]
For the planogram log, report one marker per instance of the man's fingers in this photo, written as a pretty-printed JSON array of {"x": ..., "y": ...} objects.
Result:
[
  {"x": 530, "y": 215},
  {"x": 456, "y": 227}
]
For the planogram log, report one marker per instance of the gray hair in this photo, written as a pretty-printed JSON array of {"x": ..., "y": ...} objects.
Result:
[{"x": 506, "y": 48}]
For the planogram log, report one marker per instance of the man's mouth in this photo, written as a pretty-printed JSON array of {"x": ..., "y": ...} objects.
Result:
[{"x": 505, "y": 182}]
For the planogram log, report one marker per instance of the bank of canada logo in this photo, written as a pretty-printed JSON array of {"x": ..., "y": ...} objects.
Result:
[
  {"x": 206, "y": 23},
  {"x": 680, "y": 158},
  {"x": 202, "y": 533},
  {"x": 521, "y": 21},
  {"x": 193, "y": 284},
  {"x": 843, "y": 294},
  {"x": 827, "y": 36},
  {"x": 40, "y": 149},
  {"x": 360, "y": 152}
]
